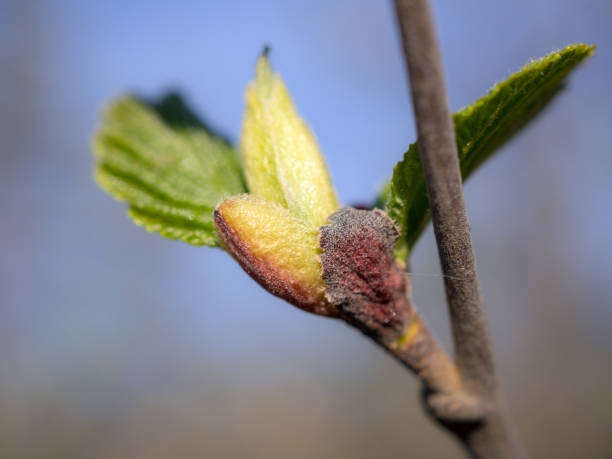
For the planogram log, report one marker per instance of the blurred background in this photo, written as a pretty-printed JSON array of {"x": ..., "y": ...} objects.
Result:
[{"x": 116, "y": 343}]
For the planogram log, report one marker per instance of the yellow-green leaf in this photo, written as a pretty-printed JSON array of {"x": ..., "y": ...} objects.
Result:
[
  {"x": 275, "y": 248},
  {"x": 281, "y": 157},
  {"x": 167, "y": 166}
]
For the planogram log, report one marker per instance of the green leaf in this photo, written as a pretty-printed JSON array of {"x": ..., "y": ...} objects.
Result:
[
  {"x": 167, "y": 165},
  {"x": 282, "y": 160},
  {"x": 481, "y": 128}
]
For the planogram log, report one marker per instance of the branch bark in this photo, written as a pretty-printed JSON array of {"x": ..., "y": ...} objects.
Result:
[
  {"x": 371, "y": 292},
  {"x": 493, "y": 436}
]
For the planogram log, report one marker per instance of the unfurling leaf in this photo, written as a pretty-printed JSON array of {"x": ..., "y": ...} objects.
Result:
[
  {"x": 281, "y": 157},
  {"x": 171, "y": 171},
  {"x": 273, "y": 231},
  {"x": 274, "y": 248},
  {"x": 481, "y": 128}
]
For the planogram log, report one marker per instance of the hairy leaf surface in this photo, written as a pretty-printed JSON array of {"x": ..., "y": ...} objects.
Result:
[
  {"x": 282, "y": 160},
  {"x": 167, "y": 165},
  {"x": 481, "y": 128}
]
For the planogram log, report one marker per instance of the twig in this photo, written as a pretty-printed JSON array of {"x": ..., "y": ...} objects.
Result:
[
  {"x": 438, "y": 153},
  {"x": 438, "y": 150},
  {"x": 371, "y": 292}
]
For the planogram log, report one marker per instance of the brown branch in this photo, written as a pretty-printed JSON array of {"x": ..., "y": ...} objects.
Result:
[
  {"x": 371, "y": 292},
  {"x": 438, "y": 150},
  {"x": 438, "y": 153}
]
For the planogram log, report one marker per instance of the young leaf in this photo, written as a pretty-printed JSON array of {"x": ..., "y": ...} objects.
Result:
[
  {"x": 273, "y": 232},
  {"x": 481, "y": 128},
  {"x": 275, "y": 248},
  {"x": 170, "y": 169},
  {"x": 282, "y": 160}
]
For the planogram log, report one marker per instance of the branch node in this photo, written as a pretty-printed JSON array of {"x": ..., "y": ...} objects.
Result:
[{"x": 371, "y": 291}]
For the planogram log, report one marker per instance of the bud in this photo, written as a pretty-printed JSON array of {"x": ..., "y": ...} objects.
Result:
[
  {"x": 281, "y": 158},
  {"x": 273, "y": 232},
  {"x": 275, "y": 248}
]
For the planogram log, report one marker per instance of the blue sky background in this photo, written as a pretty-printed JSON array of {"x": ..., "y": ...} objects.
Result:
[{"x": 119, "y": 343}]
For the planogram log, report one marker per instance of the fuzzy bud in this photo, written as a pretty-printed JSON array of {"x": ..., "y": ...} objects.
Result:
[{"x": 274, "y": 248}]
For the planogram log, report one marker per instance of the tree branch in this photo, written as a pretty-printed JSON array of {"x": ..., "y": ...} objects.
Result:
[
  {"x": 371, "y": 292},
  {"x": 438, "y": 150},
  {"x": 438, "y": 153}
]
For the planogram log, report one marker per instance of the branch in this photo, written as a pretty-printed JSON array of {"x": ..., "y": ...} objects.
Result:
[
  {"x": 371, "y": 292},
  {"x": 438, "y": 153},
  {"x": 438, "y": 150}
]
